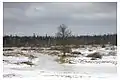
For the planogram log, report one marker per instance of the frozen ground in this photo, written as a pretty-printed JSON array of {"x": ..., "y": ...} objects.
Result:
[{"x": 40, "y": 64}]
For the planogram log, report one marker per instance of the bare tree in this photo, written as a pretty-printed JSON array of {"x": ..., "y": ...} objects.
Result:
[{"x": 64, "y": 33}]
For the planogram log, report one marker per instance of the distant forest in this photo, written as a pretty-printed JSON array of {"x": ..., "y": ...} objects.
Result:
[{"x": 38, "y": 41}]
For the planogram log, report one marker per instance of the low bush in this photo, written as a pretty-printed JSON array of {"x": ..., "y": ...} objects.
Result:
[
  {"x": 10, "y": 54},
  {"x": 66, "y": 50},
  {"x": 8, "y": 49},
  {"x": 62, "y": 59},
  {"x": 75, "y": 52},
  {"x": 90, "y": 50},
  {"x": 95, "y": 55},
  {"x": 54, "y": 53},
  {"x": 103, "y": 46},
  {"x": 93, "y": 58},
  {"x": 76, "y": 46},
  {"x": 112, "y": 54},
  {"x": 26, "y": 62},
  {"x": 55, "y": 48}
]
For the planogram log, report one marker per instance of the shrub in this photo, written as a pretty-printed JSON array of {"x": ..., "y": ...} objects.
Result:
[
  {"x": 76, "y": 46},
  {"x": 8, "y": 49},
  {"x": 76, "y": 52},
  {"x": 107, "y": 48},
  {"x": 112, "y": 48},
  {"x": 112, "y": 54},
  {"x": 24, "y": 49},
  {"x": 55, "y": 48},
  {"x": 62, "y": 59},
  {"x": 31, "y": 56},
  {"x": 82, "y": 46},
  {"x": 27, "y": 62},
  {"x": 93, "y": 58},
  {"x": 90, "y": 50},
  {"x": 95, "y": 55},
  {"x": 67, "y": 50},
  {"x": 103, "y": 46},
  {"x": 54, "y": 53},
  {"x": 10, "y": 54}
]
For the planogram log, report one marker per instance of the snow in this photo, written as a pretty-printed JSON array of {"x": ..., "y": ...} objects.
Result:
[{"x": 46, "y": 67}]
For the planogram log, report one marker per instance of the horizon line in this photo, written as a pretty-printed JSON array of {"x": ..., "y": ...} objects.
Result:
[{"x": 55, "y": 36}]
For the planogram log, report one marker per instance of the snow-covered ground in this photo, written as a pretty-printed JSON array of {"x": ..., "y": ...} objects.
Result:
[{"x": 40, "y": 64}]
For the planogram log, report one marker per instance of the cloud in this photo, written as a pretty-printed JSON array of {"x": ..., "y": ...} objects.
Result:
[{"x": 46, "y": 17}]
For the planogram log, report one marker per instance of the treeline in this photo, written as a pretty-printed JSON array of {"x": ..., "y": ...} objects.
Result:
[{"x": 18, "y": 41}]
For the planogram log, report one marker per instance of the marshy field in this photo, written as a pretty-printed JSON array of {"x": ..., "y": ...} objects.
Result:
[{"x": 85, "y": 61}]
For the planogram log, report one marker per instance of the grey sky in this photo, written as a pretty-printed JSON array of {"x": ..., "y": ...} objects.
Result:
[{"x": 44, "y": 18}]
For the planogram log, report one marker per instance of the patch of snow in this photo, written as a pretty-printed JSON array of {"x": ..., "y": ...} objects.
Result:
[{"x": 46, "y": 67}]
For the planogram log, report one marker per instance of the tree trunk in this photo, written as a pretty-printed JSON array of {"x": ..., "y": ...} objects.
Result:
[{"x": 64, "y": 54}]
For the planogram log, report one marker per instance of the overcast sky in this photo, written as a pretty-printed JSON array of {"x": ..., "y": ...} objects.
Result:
[{"x": 44, "y": 18}]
